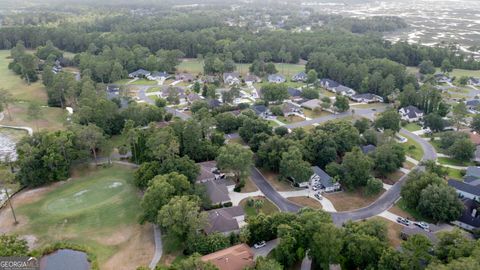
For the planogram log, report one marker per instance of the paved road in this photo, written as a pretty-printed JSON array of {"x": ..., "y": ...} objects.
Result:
[
  {"x": 264, "y": 251},
  {"x": 262, "y": 183},
  {"x": 157, "y": 234}
]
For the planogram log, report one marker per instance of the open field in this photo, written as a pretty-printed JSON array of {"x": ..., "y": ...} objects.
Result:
[
  {"x": 346, "y": 201},
  {"x": 306, "y": 202},
  {"x": 267, "y": 208},
  {"x": 455, "y": 73},
  {"x": 98, "y": 209},
  {"x": 50, "y": 118},
  {"x": 195, "y": 66},
  {"x": 18, "y": 87}
]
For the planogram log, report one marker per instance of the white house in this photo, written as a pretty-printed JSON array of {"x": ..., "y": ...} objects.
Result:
[
  {"x": 366, "y": 98},
  {"x": 276, "y": 78},
  {"x": 231, "y": 78},
  {"x": 411, "y": 113},
  {"x": 327, "y": 184},
  {"x": 141, "y": 73}
]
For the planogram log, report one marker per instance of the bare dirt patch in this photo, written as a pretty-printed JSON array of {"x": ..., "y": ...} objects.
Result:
[
  {"x": 306, "y": 202},
  {"x": 135, "y": 250},
  {"x": 393, "y": 232},
  {"x": 346, "y": 201},
  {"x": 249, "y": 186},
  {"x": 278, "y": 185}
]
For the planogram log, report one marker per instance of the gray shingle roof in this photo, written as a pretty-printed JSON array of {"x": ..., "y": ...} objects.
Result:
[
  {"x": 325, "y": 179},
  {"x": 217, "y": 192},
  {"x": 473, "y": 171},
  {"x": 466, "y": 217},
  {"x": 465, "y": 187},
  {"x": 223, "y": 219}
]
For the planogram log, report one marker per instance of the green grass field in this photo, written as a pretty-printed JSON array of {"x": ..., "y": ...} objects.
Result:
[
  {"x": 196, "y": 66},
  {"x": 18, "y": 87},
  {"x": 455, "y": 174},
  {"x": 86, "y": 210},
  {"x": 412, "y": 127},
  {"x": 455, "y": 73}
]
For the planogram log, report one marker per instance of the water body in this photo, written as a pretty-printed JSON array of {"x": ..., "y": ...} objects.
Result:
[
  {"x": 65, "y": 259},
  {"x": 8, "y": 140}
]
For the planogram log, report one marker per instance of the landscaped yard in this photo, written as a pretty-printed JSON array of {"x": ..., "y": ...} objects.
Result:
[
  {"x": 454, "y": 162},
  {"x": 412, "y": 127},
  {"x": 18, "y": 87},
  {"x": 267, "y": 208},
  {"x": 290, "y": 119},
  {"x": 306, "y": 202},
  {"x": 412, "y": 148},
  {"x": 455, "y": 174},
  {"x": 98, "y": 209},
  {"x": 346, "y": 201}
]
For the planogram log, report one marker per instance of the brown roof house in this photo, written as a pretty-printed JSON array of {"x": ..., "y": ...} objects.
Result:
[
  {"x": 225, "y": 220},
  {"x": 237, "y": 257}
]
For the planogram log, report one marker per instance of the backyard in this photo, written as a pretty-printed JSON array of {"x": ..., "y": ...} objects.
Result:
[{"x": 98, "y": 209}]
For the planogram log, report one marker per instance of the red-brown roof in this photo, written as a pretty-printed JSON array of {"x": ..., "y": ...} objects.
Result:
[{"x": 237, "y": 257}]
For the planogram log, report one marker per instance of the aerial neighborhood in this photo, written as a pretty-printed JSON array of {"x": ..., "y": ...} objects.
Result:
[{"x": 234, "y": 136}]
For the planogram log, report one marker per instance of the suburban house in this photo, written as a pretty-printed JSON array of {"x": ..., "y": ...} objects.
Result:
[
  {"x": 217, "y": 191},
  {"x": 442, "y": 78},
  {"x": 158, "y": 76},
  {"x": 294, "y": 93},
  {"x": 261, "y": 110},
  {"x": 473, "y": 105},
  {"x": 231, "y": 78},
  {"x": 411, "y": 113},
  {"x": 325, "y": 180},
  {"x": 300, "y": 77},
  {"x": 238, "y": 257},
  {"x": 225, "y": 220},
  {"x": 208, "y": 171},
  {"x": 474, "y": 81},
  {"x": 251, "y": 78},
  {"x": 311, "y": 104},
  {"x": 469, "y": 190},
  {"x": 186, "y": 77},
  {"x": 113, "y": 92},
  {"x": 193, "y": 97},
  {"x": 276, "y": 78},
  {"x": 470, "y": 218},
  {"x": 366, "y": 98},
  {"x": 337, "y": 88},
  {"x": 208, "y": 79},
  {"x": 290, "y": 108},
  {"x": 214, "y": 103},
  {"x": 367, "y": 149},
  {"x": 141, "y": 73},
  {"x": 473, "y": 171}
]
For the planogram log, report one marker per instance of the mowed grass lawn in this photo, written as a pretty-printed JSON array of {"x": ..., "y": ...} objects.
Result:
[
  {"x": 97, "y": 210},
  {"x": 412, "y": 148},
  {"x": 267, "y": 208},
  {"x": 18, "y": 87},
  {"x": 195, "y": 66}
]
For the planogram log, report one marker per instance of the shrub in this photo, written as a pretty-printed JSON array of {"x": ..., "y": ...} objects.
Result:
[
  {"x": 373, "y": 187},
  {"x": 228, "y": 204},
  {"x": 239, "y": 186},
  {"x": 168, "y": 117}
]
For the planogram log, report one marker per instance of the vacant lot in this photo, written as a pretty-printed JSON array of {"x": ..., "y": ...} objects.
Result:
[
  {"x": 18, "y": 87},
  {"x": 267, "y": 207},
  {"x": 98, "y": 209},
  {"x": 306, "y": 202},
  {"x": 393, "y": 231},
  {"x": 278, "y": 185},
  {"x": 49, "y": 118},
  {"x": 346, "y": 201}
]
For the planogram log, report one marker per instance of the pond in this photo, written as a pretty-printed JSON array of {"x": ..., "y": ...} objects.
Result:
[
  {"x": 8, "y": 140},
  {"x": 63, "y": 259}
]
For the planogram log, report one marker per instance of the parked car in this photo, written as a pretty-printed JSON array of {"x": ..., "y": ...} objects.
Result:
[
  {"x": 318, "y": 196},
  {"x": 314, "y": 188},
  {"x": 403, "y": 221},
  {"x": 260, "y": 244},
  {"x": 423, "y": 225}
]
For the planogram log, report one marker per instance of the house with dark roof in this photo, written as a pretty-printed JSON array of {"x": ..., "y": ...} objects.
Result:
[
  {"x": 367, "y": 149},
  {"x": 474, "y": 81},
  {"x": 289, "y": 108},
  {"x": 214, "y": 103},
  {"x": 238, "y": 257},
  {"x": 217, "y": 192},
  {"x": 473, "y": 171},
  {"x": 208, "y": 171},
  {"x": 261, "y": 110},
  {"x": 186, "y": 77},
  {"x": 252, "y": 78},
  {"x": 300, "y": 77},
  {"x": 294, "y": 93},
  {"x": 157, "y": 75},
  {"x": 225, "y": 220},
  {"x": 327, "y": 183},
  {"x": 276, "y": 78},
  {"x": 311, "y": 104},
  {"x": 193, "y": 97},
  {"x": 442, "y": 78},
  {"x": 411, "y": 113},
  {"x": 329, "y": 84},
  {"x": 366, "y": 98},
  {"x": 470, "y": 218},
  {"x": 473, "y": 105},
  {"x": 141, "y": 73},
  {"x": 465, "y": 190},
  {"x": 231, "y": 78},
  {"x": 337, "y": 88}
]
